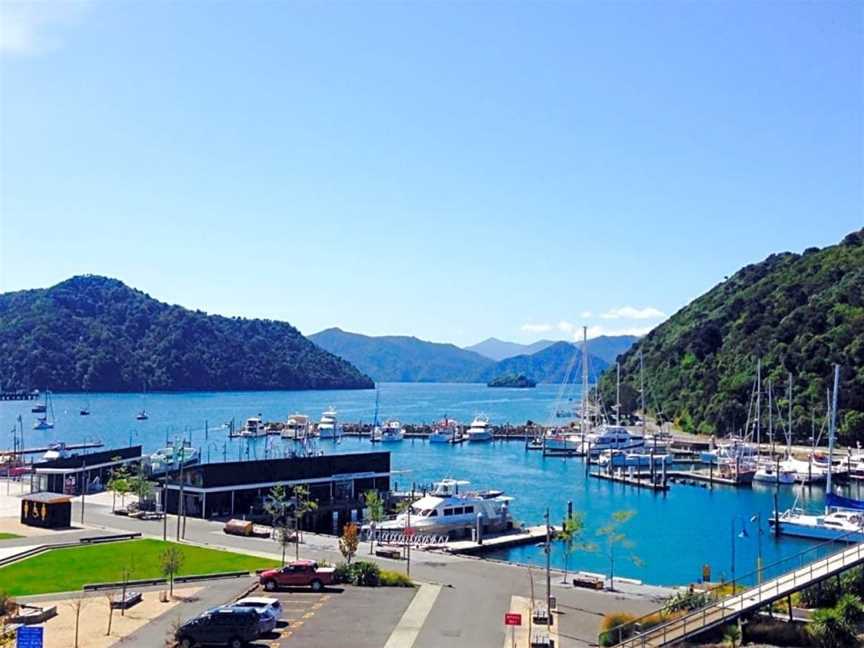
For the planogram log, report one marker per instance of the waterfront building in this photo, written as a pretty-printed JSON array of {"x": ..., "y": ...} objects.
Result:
[{"x": 67, "y": 474}]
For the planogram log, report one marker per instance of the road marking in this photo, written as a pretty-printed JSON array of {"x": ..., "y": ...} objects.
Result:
[{"x": 405, "y": 633}]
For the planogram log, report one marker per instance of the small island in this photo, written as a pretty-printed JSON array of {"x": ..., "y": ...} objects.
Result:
[{"x": 512, "y": 380}]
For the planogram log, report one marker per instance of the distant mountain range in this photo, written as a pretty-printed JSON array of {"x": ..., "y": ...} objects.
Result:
[
  {"x": 605, "y": 347},
  {"x": 799, "y": 313},
  {"x": 409, "y": 359},
  {"x": 97, "y": 334}
]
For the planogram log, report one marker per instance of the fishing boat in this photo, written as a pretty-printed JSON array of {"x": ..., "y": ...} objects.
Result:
[
  {"x": 450, "y": 510},
  {"x": 327, "y": 426},
  {"x": 444, "y": 431},
  {"x": 392, "y": 432},
  {"x": 172, "y": 457},
  {"x": 296, "y": 427},
  {"x": 254, "y": 427},
  {"x": 479, "y": 431}
]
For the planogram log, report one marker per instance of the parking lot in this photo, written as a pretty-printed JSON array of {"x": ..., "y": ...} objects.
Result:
[{"x": 365, "y": 616}]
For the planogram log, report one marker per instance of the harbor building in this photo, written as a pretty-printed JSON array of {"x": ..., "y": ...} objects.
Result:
[
  {"x": 237, "y": 489},
  {"x": 67, "y": 473}
]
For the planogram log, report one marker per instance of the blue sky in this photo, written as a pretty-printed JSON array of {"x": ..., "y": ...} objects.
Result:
[{"x": 447, "y": 170}]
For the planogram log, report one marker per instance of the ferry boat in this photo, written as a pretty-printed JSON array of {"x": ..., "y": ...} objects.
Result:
[
  {"x": 296, "y": 427},
  {"x": 56, "y": 451},
  {"x": 443, "y": 432},
  {"x": 392, "y": 432},
  {"x": 450, "y": 509},
  {"x": 480, "y": 430},
  {"x": 612, "y": 437},
  {"x": 254, "y": 427},
  {"x": 171, "y": 457},
  {"x": 327, "y": 427}
]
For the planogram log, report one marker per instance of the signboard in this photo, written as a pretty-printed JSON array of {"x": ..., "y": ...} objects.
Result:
[
  {"x": 512, "y": 619},
  {"x": 30, "y": 637}
]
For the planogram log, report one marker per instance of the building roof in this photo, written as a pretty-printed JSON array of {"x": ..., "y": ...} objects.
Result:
[{"x": 47, "y": 498}]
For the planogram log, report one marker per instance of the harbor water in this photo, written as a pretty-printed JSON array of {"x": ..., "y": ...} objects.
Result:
[{"x": 673, "y": 534}]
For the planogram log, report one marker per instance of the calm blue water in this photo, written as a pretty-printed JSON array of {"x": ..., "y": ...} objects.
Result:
[{"x": 674, "y": 534}]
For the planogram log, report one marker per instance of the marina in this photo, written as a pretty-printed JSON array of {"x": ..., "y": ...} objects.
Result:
[{"x": 535, "y": 481}]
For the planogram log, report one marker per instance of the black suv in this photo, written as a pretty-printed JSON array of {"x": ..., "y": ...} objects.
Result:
[{"x": 232, "y": 627}]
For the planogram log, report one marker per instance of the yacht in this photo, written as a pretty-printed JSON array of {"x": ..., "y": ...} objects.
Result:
[
  {"x": 171, "y": 457},
  {"x": 480, "y": 430},
  {"x": 392, "y": 432},
  {"x": 730, "y": 451},
  {"x": 56, "y": 451},
  {"x": 843, "y": 520},
  {"x": 631, "y": 459},
  {"x": 612, "y": 437},
  {"x": 141, "y": 416},
  {"x": 450, "y": 509},
  {"x": 46, "y": 420},
  {"x": 296, "y": 427},
  {"x": 768, "y": 473},
  {"x": 444, "y": 431},
  {"x": 327, "y": 426},
  {"x": 254, "y": 427},
  {"x": 560, "y": 441},
  {"x": 42, "y": 423}
]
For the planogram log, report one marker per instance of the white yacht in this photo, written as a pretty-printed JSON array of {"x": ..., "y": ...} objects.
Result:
[
  {"x": 254, "y": 427},
  {"x": 56, "y": 451},
  {"x": 767, "y": 473},
  {"x": 631, "y": 459},
  {"x": 730, "y": 451},
  {"x": 839, "y": 523},
  {"x": 561, "y": 441},
  {"x": 450, "y": 509},
  {"x": 327, "y": 426},
  {"x": 42, "y": 423},
  {"x": 444, "y": 431},
  {"x": 296, "y": 427},
  {"x": 171, "y": 457},
  {"x": 392, "y": 432},
  {"x": 612, "y": 437},
  {"x": 480, "y": 430}
]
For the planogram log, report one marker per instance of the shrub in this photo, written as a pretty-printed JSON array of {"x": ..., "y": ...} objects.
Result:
[
  {"x": 611, "y": 621},
  {"x": 391, "y": 578},
  {"x": 362, "y": 573}
]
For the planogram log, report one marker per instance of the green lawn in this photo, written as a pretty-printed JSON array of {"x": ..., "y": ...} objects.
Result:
[
  {"x": 65, "y": 570},
  {"x": 9, "y": 536}
]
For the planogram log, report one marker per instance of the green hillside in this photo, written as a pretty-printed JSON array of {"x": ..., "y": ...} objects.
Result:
[
  {"x": 800, "y": 313},
  {"x": 97, "y": 334}
]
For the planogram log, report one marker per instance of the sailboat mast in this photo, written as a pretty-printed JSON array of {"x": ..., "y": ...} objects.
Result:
[
  {"x": 758, "y": 404},
  {"x": 832, "y": 431},
  {"x": 618, "y": 393},
  {"x": 771, "y": 416},
  {"x": 584, "y": 398},
  {"x": 642, "y": 389},
  {"x": 789, "y": 428}
]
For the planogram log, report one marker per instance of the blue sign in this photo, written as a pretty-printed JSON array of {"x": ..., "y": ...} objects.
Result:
[{"x": 30, "y": 636}]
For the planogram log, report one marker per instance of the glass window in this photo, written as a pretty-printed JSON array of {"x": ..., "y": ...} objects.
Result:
[
  {"x": 458, "y": 510},
  {"x": 433, "y": 514},
  {"x": 448, "y": 511},
  {"x": 469, "y": 509}
]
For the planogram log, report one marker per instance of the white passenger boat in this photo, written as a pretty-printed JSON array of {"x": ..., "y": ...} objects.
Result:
[
  {"x": 612, "y": 437},
  {"x": 444, "y": 431},
  {"x": 254, "y": 427},
  {"x": 392, "y": 432},
  {"x": 171, "y": 458},
  {"x": 450, "y": 509},
  {"x": 480, "y": 430},
  {"x": 328, "y": 428},
  {"x": 297, "y": 427}
]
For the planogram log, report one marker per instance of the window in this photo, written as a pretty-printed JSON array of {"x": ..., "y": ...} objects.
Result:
[
  {"x": 448, "y": 511},
  {"x": 433, "y": 514},
  {"x": 458, "y": 510},
  {"x": 469, "y": 509}
]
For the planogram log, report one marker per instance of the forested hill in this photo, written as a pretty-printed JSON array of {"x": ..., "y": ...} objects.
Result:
[
  {"x": 800, "y": 313},
  {"x": 97, "y": 334}
]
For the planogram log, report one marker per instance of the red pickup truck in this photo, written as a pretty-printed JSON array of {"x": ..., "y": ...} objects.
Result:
[{"x": 302, "y": 573}]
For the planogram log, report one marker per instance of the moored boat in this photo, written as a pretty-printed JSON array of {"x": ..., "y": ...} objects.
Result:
[
  {"x": 479, "y": 430},
  {"x": 297, "y": 427},
  {"x": 444, "y": 431},
  {"x": 327, "y": 426},
  {"x": 392, "y": 432}
]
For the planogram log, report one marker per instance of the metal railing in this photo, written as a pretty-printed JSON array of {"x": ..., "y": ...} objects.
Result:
[{"x": 719, "y": 609}]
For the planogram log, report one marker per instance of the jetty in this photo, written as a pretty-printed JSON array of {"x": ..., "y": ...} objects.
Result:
[
  {"x": 19, "y": 395},
  {"x": 527, "y": 535},
  {"x": 72, "y": 446},
  {"x": 638, "y": 480}
]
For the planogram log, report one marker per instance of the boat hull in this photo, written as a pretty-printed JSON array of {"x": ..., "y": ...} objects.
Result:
[{"x": 816, "y": 532}]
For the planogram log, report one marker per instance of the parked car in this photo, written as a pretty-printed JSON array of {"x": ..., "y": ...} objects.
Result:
[
  {"x": 269, "y": 611},
  {"x": 302, "y": 573},
  {"x": 232, "y": 627}
]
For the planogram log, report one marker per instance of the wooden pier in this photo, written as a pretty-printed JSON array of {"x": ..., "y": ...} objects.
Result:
[
  {"x": 710, "y": 477},
  {"x": 637, "y": 480},
  {"x": 71, "y": 446},
  {"x": 529, "y": 535}
]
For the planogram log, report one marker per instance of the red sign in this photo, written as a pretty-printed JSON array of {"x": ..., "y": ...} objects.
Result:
[
  {"x": 512, "y": 619},
  {"x": 410, "y": 532}
]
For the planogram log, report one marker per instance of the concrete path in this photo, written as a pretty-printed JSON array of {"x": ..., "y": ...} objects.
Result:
[{"x": 405, "y": 633}]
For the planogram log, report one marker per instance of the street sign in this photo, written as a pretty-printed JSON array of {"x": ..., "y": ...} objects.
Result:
[
  {"x": 30, "y": 637},
  {"x": 512, "y": 619}
]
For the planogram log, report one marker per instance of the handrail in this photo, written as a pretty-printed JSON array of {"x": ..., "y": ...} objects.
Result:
[{"x": 722, "y": 604}]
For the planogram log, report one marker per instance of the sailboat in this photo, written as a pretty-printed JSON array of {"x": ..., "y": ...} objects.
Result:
[
  {"x": 85, "y": 411},
  {"x": 375, "y": 435},
  {"x": 843, "y": 518},
  {"x": 43, "y": 422},
  {"x": 142, "y": 414}
]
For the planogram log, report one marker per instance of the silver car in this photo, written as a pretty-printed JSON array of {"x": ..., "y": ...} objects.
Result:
[{"x": 269, "y": 611}]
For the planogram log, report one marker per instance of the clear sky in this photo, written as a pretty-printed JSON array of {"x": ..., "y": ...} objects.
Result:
[{"x": 447, "y": 170}]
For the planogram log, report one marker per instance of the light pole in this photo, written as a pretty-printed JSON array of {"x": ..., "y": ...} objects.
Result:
[{"x": 548, "y": 550}]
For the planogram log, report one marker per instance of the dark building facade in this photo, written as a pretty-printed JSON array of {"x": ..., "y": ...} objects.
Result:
[
  {"x": 236, "y": 489},
  {"x": 69, "y": 474}
]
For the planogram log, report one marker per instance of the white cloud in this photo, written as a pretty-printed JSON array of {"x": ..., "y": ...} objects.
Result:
[
  {"x": 31, "y": 27},
  {"x": 586, "y": 314},
  {"x": 598, "y": 330},
  {"x": 537, "y": 328},
  {"x": 629, "y": 312}
]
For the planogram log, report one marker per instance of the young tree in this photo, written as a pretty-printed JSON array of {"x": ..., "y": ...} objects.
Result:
[
  {"x": 125, "y": 576},
  {"x": 570, "y": 535},
  {"x": 303, "y": 504},
  {"x": 349, "y": 541},
  {"x": 375, "y": 507},
  {"x": 109, "y": 599},
  {"x": 171, "y": 561},
  {"x": 140, "y": 485},
  {"x": 614, "y": 538},
  {"x": 118, "y": 485},
  {"x": 77, "y": 604},
  {"x": 277, "y": 505}
]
